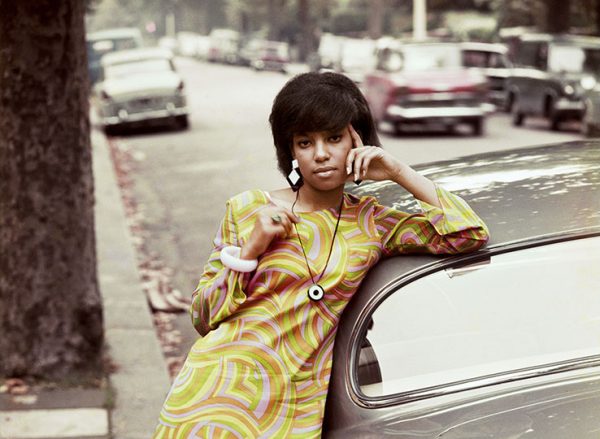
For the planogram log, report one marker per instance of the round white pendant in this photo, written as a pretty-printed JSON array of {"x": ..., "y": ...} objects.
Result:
[{"x": 316, "y": 292}]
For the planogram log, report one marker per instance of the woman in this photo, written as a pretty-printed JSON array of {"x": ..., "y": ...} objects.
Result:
[{"x": 286, "y": 263}]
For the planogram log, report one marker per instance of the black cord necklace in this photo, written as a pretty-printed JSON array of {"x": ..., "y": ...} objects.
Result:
[{"x": 316, "y": 292}]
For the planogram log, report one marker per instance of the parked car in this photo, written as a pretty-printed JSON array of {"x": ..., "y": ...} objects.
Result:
[
  {"x": 140, "y": 86},
  {"x": 270, "y": 55},
  {"x": 357, "y": 58},
  {"x": 491, "y": 60},
  {"x": 501, "y": 343},
  {"x": 426, "y": 84},
  {"x": 109, "y": 40},
  {"x": 328, "y": 53},
  {"x": 547, "y": 80},
  {"x": 590, "y": 123},
  {"x": 224, "y": 46}
]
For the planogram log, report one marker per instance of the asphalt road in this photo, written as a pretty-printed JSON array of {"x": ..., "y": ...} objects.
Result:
[{"x": 183, "y": 178}]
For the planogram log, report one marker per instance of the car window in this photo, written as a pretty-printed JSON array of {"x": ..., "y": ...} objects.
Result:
[
  {"x": 564, "y": 58},
  {"x": 522, "y": 309},
  {"x": 137, "y": 67},
  {"x": 532, "y": 54},
  {"x": 428, "y": 57},
  {"x": 475, "y": 58}
]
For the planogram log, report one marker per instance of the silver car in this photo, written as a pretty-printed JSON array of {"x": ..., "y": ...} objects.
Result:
[
  {"x": 501, "y": 343},
  {"x": 140, "y": 86}
]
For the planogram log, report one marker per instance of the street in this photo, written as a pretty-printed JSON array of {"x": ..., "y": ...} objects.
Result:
[{"x": 183, "y": 178}]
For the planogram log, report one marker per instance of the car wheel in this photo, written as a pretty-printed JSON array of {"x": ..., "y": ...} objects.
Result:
[
  {"x": 508, "y": 103},
  {"x": 478, "y": 126},
  {"x": 552, "y": 115},
  {"x": 182, "y": 122},
  {"x": 517, "y": 116},
  {"x": 111, "y": 130},
  {"x": 588, "y": 129}
]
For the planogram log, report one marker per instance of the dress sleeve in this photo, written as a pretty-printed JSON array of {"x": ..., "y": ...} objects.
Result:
[
  {"x": 220, "y": 290},
  {"x": 453, "y": 228}
]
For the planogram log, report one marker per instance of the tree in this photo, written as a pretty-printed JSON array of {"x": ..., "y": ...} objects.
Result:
[
  {"x": 50, "y": 307},
  {"x": 558, "y": 14}
]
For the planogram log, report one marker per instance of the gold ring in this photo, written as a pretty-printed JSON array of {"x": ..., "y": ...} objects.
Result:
[{"x": 276, "y": 219}]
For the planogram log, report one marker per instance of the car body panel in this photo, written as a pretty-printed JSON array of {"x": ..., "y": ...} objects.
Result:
[
  {"x": 528, "y": 197},
  {"x": 425, "y": 84},
  {"x": 547, "y": 80},
  {"x": 106, "y": 41},
  {"x": 132, "y": 95},
  {"x": 491, "y": 60}
]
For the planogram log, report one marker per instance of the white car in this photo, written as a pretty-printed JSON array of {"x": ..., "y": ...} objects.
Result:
[{"x": 140, "y": 86}]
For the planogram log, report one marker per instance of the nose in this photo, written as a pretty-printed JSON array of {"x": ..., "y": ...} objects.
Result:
[{"x": 321, "y": 150}]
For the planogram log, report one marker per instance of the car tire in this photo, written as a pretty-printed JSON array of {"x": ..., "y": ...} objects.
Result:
[
  {"x": 111, "y": 130},
  {"x": 590, "y": 130},
  {"x": 478, "y": 126},
  {"x": 518, "y": 118},
  {"x": 182, "y": 122},
  {"x": 508, "y": 103}
]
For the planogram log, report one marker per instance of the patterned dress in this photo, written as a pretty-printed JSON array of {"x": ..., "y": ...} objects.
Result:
[{"x": 262, "y": 368}]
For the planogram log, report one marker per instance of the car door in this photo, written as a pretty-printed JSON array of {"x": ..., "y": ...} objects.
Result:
[{"x": 501, "y": 345}]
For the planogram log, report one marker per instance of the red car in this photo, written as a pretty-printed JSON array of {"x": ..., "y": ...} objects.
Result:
[{"x": 426, "y": 84}]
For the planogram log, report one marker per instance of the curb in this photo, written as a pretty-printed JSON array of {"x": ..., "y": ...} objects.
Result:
[{"x": 140, "y": 381}]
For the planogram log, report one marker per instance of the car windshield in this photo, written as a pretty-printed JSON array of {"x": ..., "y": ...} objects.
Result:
[
  {"x": 428, "y": 57},
  {"x": 138, "y": 67},
  {"x": 574, "y": 59},
  {"x": 523, "y": 309}
]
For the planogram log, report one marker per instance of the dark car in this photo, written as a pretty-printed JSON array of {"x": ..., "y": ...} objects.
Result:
[
  {"x": 106, "y": 41},
  {"x": 491, "y": 60},
  {"x": 426, "y": 84},
  {"x": 501, "y": 343},
  {"x": 548, "y": 80}
]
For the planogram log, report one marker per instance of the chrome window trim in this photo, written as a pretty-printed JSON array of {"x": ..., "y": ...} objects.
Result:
[{"x": 360, "y": 329}]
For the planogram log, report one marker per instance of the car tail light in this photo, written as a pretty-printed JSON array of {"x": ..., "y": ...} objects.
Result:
[
  {"x": 104, "y": 96},
  {"x": 180, "y": 87}
]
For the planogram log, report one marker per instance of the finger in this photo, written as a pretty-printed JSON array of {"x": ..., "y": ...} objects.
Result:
[
  {"x": 355, "y": 136},
  {"x": 350, "y": 160},
  {"x": 367, "y": 162},
  {"x": 292, "y": 217},
  {"x": 358, "y": 160}
]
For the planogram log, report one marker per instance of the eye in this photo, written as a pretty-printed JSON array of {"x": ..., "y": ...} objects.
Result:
[
  {"x": 303, "y": 143},
  {"x": 335, "y": 138}
]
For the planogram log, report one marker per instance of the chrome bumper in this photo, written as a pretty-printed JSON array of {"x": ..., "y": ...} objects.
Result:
[
  {"x": 125, "y": 117},
  {"x": 398, "y": 113},
  {"x": 568, "y": 105}
]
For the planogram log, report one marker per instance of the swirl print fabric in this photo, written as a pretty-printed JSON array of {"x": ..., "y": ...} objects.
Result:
[{"x": 261, "y": 369}]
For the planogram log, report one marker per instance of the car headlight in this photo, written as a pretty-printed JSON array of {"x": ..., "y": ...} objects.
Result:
[
  {"x": 569, "y": 89},
  {"x": 588, "y": 82}
]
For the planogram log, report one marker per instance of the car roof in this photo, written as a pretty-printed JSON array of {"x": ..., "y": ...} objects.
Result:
[
  {"x": 524, "y": 195},
  {"x": 521, "y": 193},
  {"x": 484, "y": 47},
  {"x": 130, "y": 55},
  {"x": 116, "y": 33},
  {"x": 583, "y": 40}
]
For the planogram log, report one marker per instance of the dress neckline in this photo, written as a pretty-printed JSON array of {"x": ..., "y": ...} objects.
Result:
[{"x": 331, "y": 210}]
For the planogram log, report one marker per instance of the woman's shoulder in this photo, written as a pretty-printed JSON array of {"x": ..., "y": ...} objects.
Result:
[
  {"x": 361, "y": 201},
  {"x": 248, "y": 199}
]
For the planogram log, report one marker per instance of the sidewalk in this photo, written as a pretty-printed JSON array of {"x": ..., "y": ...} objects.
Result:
[{"x": 129, "y": 408}]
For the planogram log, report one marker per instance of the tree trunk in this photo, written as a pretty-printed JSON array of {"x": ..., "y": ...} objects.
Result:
[
  {"x": 50, "y": 307},
  {"x": 306, "y": 36},
  {"x": 557, "y": 16},
  {"x": 376, "y": 13}
]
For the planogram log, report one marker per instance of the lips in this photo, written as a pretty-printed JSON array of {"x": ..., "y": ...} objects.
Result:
[{"x": 324, "y": 170}]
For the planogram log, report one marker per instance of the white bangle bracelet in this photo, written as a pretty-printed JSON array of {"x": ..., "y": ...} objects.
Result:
[{"x": 230, "y": 257}]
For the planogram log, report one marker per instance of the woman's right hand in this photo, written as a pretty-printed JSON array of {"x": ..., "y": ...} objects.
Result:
[{"x": 271, "y": 223}]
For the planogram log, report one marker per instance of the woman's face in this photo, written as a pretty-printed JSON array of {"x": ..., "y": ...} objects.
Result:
[{"x": 322, "y": 156}]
